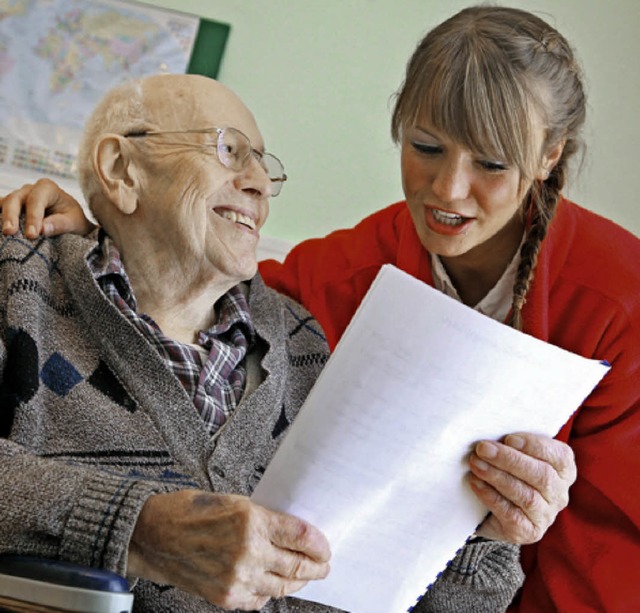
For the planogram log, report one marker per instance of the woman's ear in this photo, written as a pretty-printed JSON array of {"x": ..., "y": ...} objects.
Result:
[
  {"x": 117, "y": 172},
  {"x": 550, "y": 159}
]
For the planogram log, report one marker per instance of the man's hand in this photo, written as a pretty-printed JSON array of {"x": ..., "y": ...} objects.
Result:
[
  {"x": 524, "y": 481},
  {"x": 63, "y": 213},
  {"x": 234, "y": 553}
]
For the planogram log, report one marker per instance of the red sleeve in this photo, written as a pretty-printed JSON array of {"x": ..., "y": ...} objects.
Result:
[
  {"x": 329, "y": 276},
  {"x": 589, "y": 560},
  {"x": 316, "y": 274},
  {"x": 284, "y": 277}
]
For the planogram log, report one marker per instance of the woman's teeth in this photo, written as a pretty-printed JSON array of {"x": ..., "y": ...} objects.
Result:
[
  {"x": 449, "y": 219},
  {"x": 236, "y": 217}
]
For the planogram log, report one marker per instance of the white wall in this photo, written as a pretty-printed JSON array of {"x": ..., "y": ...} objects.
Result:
[{"x": 319, "y": 77}]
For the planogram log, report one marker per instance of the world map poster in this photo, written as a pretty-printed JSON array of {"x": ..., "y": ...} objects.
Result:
[{"x": 58, "y": 58}]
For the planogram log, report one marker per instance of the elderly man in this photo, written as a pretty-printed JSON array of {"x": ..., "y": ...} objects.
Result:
[
  {"x": 148, "y": 378},
  {"x": 107, "y": 348}
]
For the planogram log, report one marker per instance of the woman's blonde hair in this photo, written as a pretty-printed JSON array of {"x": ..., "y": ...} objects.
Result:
[{"x": 485, "y": 77}]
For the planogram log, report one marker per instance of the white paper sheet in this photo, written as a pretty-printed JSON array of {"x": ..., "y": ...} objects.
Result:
[{"x": 377, "y": 456}]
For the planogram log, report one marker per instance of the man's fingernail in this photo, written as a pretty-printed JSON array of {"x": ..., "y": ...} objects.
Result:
[
  {"x": 487, "y": 450},
  {"x": 47, "y": 229},
  {"x": 7, "y": 225},
  {"x": 31, "y": 231},
  {"x": 517, "y": 442},
  {"x": 478, "y": 483}
]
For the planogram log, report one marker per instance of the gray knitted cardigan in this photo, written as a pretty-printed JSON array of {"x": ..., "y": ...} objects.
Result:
[{"x": 92, "y": 423}]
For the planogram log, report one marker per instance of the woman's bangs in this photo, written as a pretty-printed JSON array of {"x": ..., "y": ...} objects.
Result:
[{"x": 481, "y": 106}]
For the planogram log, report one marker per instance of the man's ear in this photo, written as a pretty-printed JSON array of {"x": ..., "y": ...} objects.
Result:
[
  {"x": 549, "y": 159},
  {"x": 117, "y": 172}
]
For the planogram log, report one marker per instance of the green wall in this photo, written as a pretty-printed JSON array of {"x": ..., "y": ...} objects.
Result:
[{"x": 319, "y": 77}]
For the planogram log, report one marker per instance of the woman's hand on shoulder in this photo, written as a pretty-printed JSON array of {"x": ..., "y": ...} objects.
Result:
[
  {"x": 524, "y": 481},
  {"x": 49, "y": 211}
]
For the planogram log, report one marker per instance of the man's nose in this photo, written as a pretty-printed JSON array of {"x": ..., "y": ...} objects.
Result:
[{"x": 254, "y": 178}]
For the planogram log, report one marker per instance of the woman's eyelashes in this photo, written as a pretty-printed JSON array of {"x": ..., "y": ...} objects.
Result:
[
  {"x": 432, "y": 150},
  {"x": 426, "y": 148},
  {"x": 493, "y": 166}
]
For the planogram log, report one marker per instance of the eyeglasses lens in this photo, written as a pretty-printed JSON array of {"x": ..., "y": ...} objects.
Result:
[
  {"x": 234, "y": 151},
  {"x": 275, "y": 170}
]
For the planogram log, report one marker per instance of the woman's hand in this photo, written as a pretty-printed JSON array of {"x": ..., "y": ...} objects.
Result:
[
  {"x": 524, "y": 481},
  {"x": 49, "y": 210}
]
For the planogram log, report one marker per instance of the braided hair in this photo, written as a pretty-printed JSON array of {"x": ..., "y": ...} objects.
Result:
[{"x": 487, "y": 77}]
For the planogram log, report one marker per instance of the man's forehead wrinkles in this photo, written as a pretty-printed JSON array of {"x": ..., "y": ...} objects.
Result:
[{"x": 174, "y": 105}]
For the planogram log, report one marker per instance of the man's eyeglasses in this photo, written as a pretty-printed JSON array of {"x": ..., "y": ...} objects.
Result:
[{"x": 233, "y": 150}]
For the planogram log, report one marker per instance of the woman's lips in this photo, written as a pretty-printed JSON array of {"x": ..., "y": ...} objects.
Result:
[{"x": 446, "y": 222}]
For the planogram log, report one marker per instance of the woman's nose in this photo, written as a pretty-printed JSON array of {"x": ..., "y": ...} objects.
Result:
[{"x": 452, "y": 181}]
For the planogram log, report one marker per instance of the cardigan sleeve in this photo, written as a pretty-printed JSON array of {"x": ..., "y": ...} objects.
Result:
[
  {"x": 484, "y": 576},
  {"x": 76, "y": 513}
]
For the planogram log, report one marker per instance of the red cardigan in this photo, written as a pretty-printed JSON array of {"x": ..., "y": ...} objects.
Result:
[{"x": 585, "y": 298}]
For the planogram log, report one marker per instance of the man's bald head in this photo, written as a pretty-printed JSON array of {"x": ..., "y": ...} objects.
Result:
[{"x": 160, "y": 102}]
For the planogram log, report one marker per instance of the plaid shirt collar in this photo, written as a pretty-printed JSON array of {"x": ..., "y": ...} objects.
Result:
[{"x": 215, "y": 383}]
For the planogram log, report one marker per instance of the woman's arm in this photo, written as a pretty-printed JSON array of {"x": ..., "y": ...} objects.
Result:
[{"x": 49, "y": 210}]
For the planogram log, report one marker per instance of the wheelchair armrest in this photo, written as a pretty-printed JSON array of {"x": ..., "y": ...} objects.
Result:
[{"x": 54, "y": 585}]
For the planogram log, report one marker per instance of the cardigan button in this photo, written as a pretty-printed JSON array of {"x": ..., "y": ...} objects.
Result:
[{"x": 219, "y": 472}]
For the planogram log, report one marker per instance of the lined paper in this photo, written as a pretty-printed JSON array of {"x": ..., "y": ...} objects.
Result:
[{"x": 377, "y": 456}]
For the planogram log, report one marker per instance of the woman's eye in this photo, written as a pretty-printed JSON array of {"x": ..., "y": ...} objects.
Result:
[
  {"x": 493, "y": 166},
  {"x": 426, "y": 148}
]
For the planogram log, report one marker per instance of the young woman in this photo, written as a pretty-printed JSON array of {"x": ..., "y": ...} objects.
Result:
[{"x": 487, "y": 120}]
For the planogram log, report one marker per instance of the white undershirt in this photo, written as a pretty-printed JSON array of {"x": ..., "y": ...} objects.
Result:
[{"x": 497, "y": 303}]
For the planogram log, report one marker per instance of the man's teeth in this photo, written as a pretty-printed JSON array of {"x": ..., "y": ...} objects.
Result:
[
  {"x": 450, "y": 219},
  {"x": 236, "y": 217}
]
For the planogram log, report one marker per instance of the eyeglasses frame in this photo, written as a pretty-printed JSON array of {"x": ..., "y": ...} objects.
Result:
[{"x": 219, "y": 131}]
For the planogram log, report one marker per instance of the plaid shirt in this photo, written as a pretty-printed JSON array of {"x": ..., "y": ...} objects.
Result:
[{"x": 216, "y": 386}]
